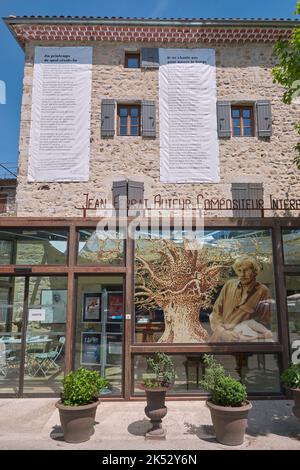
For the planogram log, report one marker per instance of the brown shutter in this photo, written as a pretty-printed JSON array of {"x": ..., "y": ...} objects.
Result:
[
  {"x": 3, "y": 203},
  {"x": 241, "y": 192}
]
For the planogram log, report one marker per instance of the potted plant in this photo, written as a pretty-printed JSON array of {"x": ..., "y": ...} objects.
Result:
[
  {"x": 78, "y": 404},
  {"x": 228, "y": 403},
  {"x": 291, "y": 379},
  {"x": 163, "y": 376}
]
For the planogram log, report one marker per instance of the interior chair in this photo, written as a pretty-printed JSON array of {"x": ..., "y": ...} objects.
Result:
[{"x": 46, "y": 362}]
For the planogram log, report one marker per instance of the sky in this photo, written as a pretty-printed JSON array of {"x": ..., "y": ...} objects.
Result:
[{"x": 12, "y": 56}]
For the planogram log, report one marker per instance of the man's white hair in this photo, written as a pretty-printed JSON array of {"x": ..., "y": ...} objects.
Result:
[{"x": 247, "y": 260}]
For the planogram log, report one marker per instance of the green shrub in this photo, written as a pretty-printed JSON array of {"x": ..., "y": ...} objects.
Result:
[
  {"x": 229, "y": 392},
  {"x": 291, "y": 376},
  {"x": 224, "y": 390},
  {"x": 163, "y": 368},
  {"x": 82, "y": 387}
]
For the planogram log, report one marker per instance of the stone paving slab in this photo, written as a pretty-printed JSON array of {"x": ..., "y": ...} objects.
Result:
[{"x": 34, "y": 424}]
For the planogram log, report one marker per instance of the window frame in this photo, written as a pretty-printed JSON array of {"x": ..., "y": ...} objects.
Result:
[
  {"x": 129, "y": 106},
  {"x": 241, "y": 108}
]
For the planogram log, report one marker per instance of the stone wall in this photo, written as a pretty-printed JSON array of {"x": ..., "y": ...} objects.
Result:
[{"x": 243, "y": 73}]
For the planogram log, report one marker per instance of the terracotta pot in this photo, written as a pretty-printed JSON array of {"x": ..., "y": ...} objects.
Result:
[
  {"x": 296, "y": 397},
  {"x": 229, "y": 422},
  {"x": 156, "y": 410},
  {"x": 77, "y": 421}
]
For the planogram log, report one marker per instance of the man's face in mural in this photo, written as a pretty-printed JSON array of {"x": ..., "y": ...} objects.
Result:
[{"x": 245, "y": 273}]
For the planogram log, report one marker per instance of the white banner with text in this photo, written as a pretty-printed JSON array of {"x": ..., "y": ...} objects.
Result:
[
  {"x": 61, "y": 113},
  {"x": 189, "y": 149}
]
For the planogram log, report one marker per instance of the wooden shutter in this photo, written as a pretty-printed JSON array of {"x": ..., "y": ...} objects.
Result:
[
  {"x": 119, "y": 189},
  {"x": 224, "y": 118},
  {"x": 264, "y": 118},
  {"x": 241, "y": 192},
  {"x": 148, "y": 119},
  {"x": 107, "y": 118},
  {"x": 150, "y": 57},
  {"x": 3, "y": 203}
]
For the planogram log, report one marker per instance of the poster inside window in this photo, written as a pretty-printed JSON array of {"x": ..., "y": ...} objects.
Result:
[
  {"x": 92, "y": 307},
  {"x": 90, "y": 348},
  {"x": 115, "y": 306},
  {"x": 221, "y": 290}
]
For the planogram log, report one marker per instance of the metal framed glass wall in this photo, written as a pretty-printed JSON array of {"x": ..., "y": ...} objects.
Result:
[{"x": 45, "y": 262}]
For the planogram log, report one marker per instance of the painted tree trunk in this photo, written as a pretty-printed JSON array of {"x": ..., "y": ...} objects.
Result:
[{"x": 182, "y": 324}]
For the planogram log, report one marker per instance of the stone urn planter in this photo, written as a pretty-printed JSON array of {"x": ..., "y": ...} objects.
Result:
[
  {"x": 77, "y": 421},
  {"x": 155, "y": 410},
  {"x": 229, "y": 422},
  {"x": 296, "y": 397}
]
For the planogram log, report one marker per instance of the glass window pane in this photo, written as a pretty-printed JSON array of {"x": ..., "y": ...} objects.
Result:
[
  {"x": 123, "y": 111},
  {"x": 134, "y": 121},
  {"x": 134, "y": 130},
  {"x": 22, "y": 246},
  {"x": 99, "y": 327},
  {"x": 235, "y": 304},
  {"x": 134, "y": 112},
  {"x": 236, "y": 122},
  {"x": 97, "y": 247},
  {"x": 247, "y": 131},
  {"x": 293, "y": 305},
  {"x": 235, "y": 113},
  {"x": 247, "y": 122},
  {"x": 236, "y": 131},
  {"x": 246, "y": 113},
  {"x": 123, "y": 130},
  {"x": 259, "y": 372},
  {"x": 291, "y": 245},
  {"x": 123, "y": 121},
  {"x": 46, "y": 334},
  {"x": 133, "y": 62}
]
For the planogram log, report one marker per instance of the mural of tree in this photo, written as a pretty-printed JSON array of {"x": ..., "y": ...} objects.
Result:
[{"x": 180, "y": 281}]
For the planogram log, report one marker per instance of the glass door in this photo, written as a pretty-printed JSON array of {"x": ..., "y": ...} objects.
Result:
[
  {"x": 99, "y": 327},
  {"x": 32, "y": 334}
]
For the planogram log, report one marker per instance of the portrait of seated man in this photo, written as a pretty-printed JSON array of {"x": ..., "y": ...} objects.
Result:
[{"x": 242, "y": 311}]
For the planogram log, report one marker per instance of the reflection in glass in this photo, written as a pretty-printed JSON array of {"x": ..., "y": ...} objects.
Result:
[
  {"x": 100, "y": 247},
  {"x": 293, "y": 305},
  {"x": 99, "y": 340},
  {"x": 291, "y": 245},
  {"x": 217, "y": 291},
  {"x": 21, "y": 246},
  {"x": 259, "y": 372}
]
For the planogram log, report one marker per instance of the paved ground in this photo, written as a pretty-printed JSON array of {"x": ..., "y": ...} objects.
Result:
[{"x": 34, "y": 424}]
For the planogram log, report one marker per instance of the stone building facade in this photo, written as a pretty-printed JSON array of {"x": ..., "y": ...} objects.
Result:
[{"x": 244, "y": 59}]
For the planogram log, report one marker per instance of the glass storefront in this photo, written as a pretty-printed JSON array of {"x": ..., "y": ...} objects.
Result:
[{"x": 229, "y": 290}]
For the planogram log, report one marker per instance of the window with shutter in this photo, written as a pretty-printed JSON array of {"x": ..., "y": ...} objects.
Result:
[
  {"x": 129, "y": 120},
  {"x": 150, "y": 57},
  {"x": 247, "y": 199},
  {"x": 107, "y": 118},
  {"x": 148, "y": 119},
  {"x": 264, "y": 118}
]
